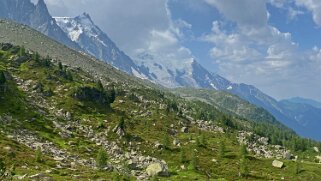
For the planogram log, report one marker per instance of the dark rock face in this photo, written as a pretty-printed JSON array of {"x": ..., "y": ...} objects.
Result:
[{"x": 36, "y": 16}]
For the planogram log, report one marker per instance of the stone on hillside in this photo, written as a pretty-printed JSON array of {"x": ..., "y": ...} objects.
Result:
[
  {"x": 158, "y": 145},
  {"x": 132, "y": 164},
  {"x": 19, "y": 177},
  {"x": 172, "y": 132},
  {"x": 176, "y": 142},
  {"x": 287, "y": 155},
  {"x": 184, "y": 130},
  {"x": 8, "y": 148},
  {"x": 277, "y": 164},
  {"x": 68, "y": 116},
  {"x": 316, "y": 149},
  {"x": 40, "y": 176},
  {"x": 264, "y": 140},
  {"x": 157, "y": 169},
  {"x": 318, "y": 158}
]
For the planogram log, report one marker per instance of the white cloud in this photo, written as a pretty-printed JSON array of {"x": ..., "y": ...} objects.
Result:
[
  {"x": 245, "y": 12},
  {"x": 293, "y": 13},
  {"x": 260, "y": 54},
  {"x": 314, "y": 6},
  {"x": 229, "y": 47}
]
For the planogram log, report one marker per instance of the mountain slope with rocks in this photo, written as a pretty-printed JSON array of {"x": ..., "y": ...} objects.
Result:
[
  {"x": 82, "y": 34},
  {"x": 67, "y": 116}
]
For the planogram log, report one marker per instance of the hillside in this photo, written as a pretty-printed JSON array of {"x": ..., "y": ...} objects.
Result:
[
  {"x": 228, "y": 103},
  {"x": 81, "y": 33},
  {"x": 67, "y": 116}
]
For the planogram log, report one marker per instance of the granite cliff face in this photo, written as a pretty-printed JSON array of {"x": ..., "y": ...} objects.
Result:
[{"x": 36, "y": 16}]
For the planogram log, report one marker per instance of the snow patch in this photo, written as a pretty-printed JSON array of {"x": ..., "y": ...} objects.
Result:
[
  {"x": 214, "y": 87},
  {"x": 137, "y": 74}
]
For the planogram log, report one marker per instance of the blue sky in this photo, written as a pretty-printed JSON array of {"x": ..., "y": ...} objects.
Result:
[{"x": 272, "y": 44}]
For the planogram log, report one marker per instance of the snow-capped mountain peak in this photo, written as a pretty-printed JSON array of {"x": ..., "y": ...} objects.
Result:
[
  {"x": 94, "y": 41},
  {"x": 74, "y": 27}
]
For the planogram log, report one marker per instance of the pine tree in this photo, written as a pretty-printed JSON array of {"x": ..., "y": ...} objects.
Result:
[
  {"x": 36, "y": 56},
  {"x": 2, "y": 78},
  {"x": 182, "y": 156},
  {"x": 197, "y": 142},
  {"x": 166, "y": 141},
  {"x": 38, "y": 155},
  {"x": 69, "y": 76},
  {"x": 112, "y": 94},
  {"x": 243, "y": 151},
  {"x": 297, "y": 167},
  {"x": 203, "y": 140},
  {"x": 221, "y": 150},
  {"x": 100, "y": 86},
  {"x": 121, "y": 123},
  {"x": 244, "y": 170},
  {"x": 194, "y": 162},
  {"x": 60, "y": 66},
  {"x": 22, "y": 51},
  {"x": 101, "y": 159},
  {"x": 2, "y": 167}
]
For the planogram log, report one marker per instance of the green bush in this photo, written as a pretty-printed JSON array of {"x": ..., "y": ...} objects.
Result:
[
  {"x": 39, "y": 155},
  {"x": 101, "y": 159}
]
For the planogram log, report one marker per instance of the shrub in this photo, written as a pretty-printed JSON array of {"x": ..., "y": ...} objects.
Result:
[
  {"x": 2, "y": 78},
  {"x": 166, "y": 141},
  {"x": 101, "y": 159},
  {"x": 244, "y": 170},
  {"x": 221, "y": 150},
  {"x": 182, "y": 156},
  {"x": 194, "y": 162},
  {"x": 39, "y": 155}
]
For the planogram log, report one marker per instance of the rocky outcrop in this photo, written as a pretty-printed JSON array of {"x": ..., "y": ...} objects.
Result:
[
  {"x": 261, "y": 148},
  {"x": 157, "y": 169}
]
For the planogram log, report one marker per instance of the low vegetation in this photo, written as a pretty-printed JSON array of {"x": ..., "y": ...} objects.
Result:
[{"x": 64, "y": 123}]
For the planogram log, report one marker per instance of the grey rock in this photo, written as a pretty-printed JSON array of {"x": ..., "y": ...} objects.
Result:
[
  {"x": 157, "y": 169},
  {"x": 316, "y": 149},
  {"x": 277, "y": 164},
  {"x": 184, "y": 130}
]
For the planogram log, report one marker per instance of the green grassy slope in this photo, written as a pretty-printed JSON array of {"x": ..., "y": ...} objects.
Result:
[{"x": 37, "y": 89}]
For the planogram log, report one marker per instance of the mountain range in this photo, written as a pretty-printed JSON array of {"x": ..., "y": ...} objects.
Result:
[{"x": 82, "y": 34}]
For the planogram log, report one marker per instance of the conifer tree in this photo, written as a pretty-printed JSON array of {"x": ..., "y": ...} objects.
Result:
[
  {"x": 182, "y": 156},
  {"x": 244, "y": 170},
  {"x": 2, "y": 78},
  {"x": 101, "y": 159},
  {"x": 194, "y": 162},
  {"x": 221, "y": 150},
  {"x": 166, "y": 141},
  {"x": 39, "y": 155}
]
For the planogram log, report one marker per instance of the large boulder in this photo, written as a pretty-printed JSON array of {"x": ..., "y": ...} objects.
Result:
[
  {"x": 287, "y": 155},
  {"x": 184, "y": 129},
  {"x": 318, "y": 158},
  {"x": 316, "y": 149},
  {"x": 277, "y": 164},
  {"x": 157, "y": 169}
]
